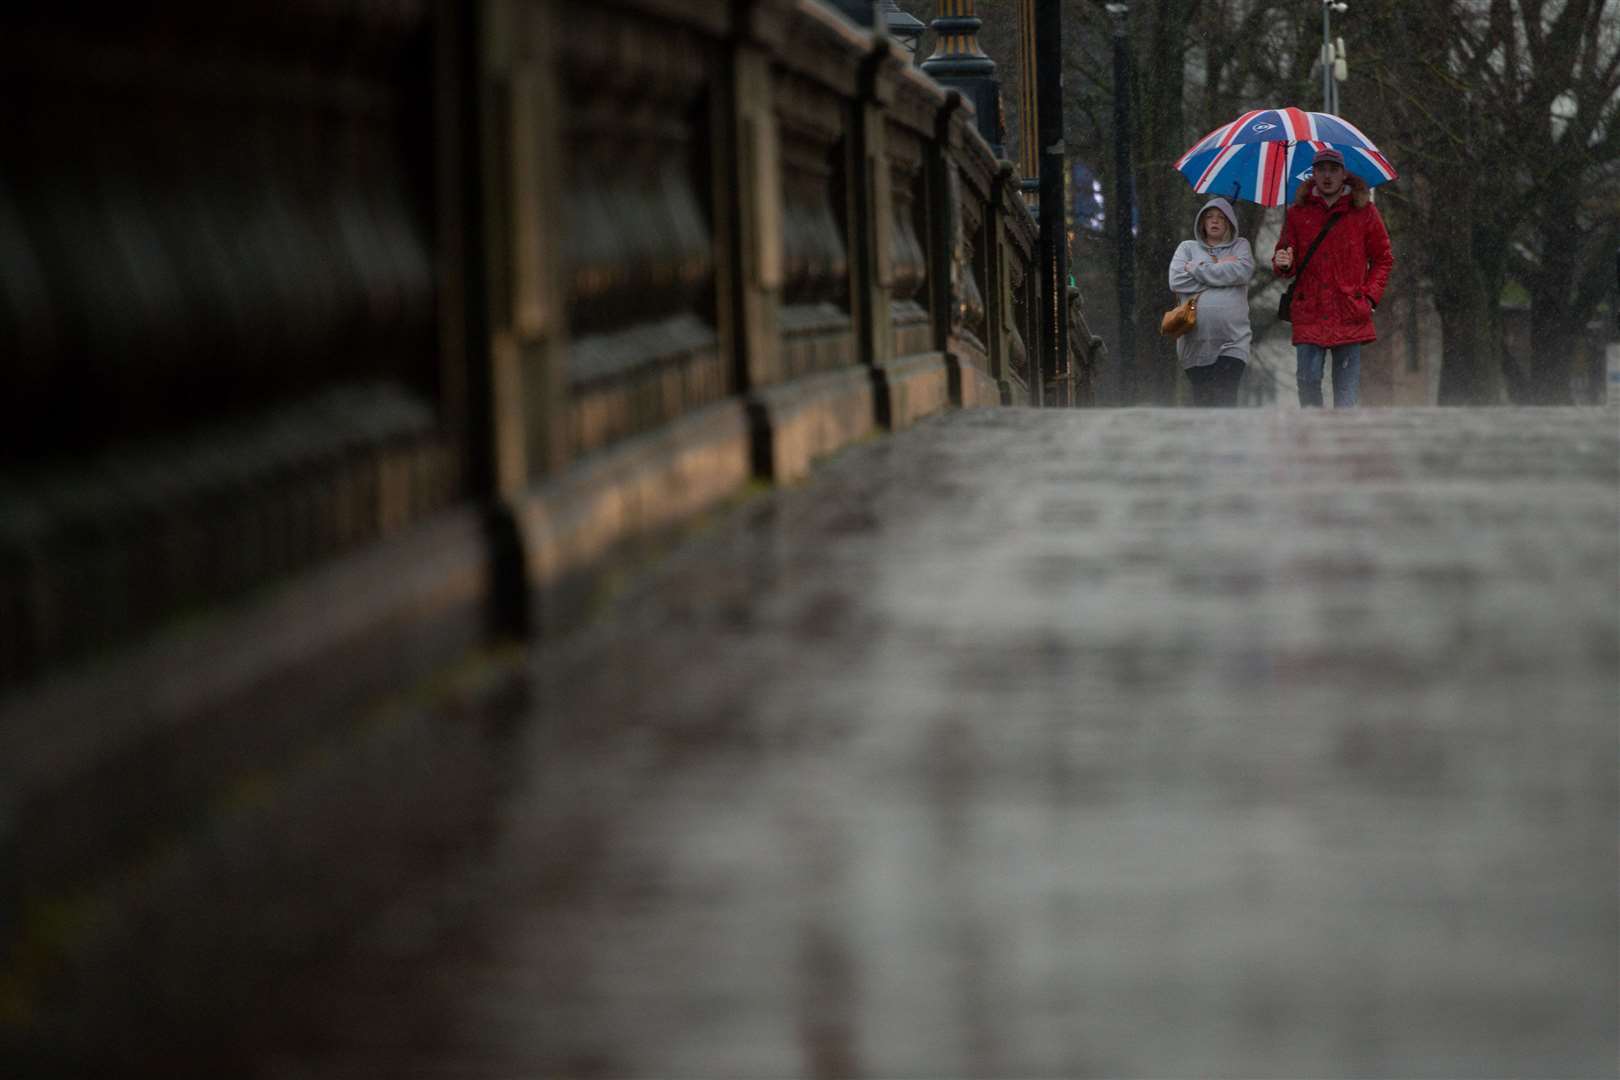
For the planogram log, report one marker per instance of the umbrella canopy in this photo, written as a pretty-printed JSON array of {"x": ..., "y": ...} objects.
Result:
[{"x": 1263, "y": 155}]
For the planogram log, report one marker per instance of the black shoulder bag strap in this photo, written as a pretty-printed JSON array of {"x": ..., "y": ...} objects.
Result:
[{"x": 1286, "y": 302}]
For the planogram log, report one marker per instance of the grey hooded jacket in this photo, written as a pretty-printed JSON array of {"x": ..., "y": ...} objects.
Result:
[{"x": 1221, "y": 273}]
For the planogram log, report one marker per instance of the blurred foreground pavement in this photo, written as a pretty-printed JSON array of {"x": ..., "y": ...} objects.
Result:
[{"x": 1130, "y": 744}]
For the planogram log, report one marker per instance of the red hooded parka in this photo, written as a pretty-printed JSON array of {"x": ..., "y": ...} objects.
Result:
[{"x": 1333, "y": 302}]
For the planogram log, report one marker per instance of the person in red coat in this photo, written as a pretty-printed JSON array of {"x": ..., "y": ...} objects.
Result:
[{"x": 1343, "y": 282}]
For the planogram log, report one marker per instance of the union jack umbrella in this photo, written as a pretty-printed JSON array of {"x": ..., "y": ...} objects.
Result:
[{"x": 1263, "y": 155}]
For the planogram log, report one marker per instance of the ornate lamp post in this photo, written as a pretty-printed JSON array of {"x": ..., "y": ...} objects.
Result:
[
  {"x": 959, "y": 63},
  {"x": 1029, "y": 156},
  {"x": 903, "y": 27},
  {"x": 885, "y": 15}
]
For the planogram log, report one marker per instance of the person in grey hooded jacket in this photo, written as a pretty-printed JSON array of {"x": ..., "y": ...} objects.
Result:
[{"x": 1217, "y": 265}]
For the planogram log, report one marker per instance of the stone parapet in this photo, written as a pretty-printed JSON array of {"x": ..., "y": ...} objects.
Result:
[{"x": 381, "y": 357}]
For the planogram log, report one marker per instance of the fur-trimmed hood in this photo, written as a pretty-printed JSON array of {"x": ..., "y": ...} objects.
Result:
[
  {"x": 1360, "y": 193},
  {"x": 1336, "y": 291}
]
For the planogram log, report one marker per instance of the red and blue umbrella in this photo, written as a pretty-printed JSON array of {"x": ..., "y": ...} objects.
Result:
[{"x": 1264, "y": 155}]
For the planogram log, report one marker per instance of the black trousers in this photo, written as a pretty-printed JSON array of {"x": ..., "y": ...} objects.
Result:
[{"x": 1215, "y": 386}]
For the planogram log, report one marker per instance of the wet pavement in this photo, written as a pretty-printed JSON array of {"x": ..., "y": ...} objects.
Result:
[{"x": 1128, "y": 744}]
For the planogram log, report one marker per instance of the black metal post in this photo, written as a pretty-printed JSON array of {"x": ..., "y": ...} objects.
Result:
[
  {"x": 1054, "y": 234},
  {"x": 960, "y": 64},
  {"x": 1124, "y": 205}
]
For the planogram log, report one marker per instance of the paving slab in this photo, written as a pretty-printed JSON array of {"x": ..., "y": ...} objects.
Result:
[{"x": 1128, "y": 743}]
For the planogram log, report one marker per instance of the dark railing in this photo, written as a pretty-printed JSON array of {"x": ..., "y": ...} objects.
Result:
[{"x": 343, "y": 338}]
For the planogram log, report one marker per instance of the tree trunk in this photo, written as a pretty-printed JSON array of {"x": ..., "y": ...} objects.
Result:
[
  {"x": 1160, "y": 206},
  {"x": 1470, "y": 346},
  {"x": 1465, "y": 263},
  {"x": 1161, "y": 192},
  {"x": 1554, "y": 327},
  {"x": 1552, "y": 347},
  {"x": 1470, "y": 368}
]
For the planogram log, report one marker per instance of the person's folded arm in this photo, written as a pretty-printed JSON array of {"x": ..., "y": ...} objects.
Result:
[
  {"x": 1183, "y": 277},
  {"x": 1236, "y": 269}
]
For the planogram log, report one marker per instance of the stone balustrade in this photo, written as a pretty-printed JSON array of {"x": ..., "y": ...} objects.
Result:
[
  {"x": 346, "y": 341},
  {"x": 279, "y": 289}
]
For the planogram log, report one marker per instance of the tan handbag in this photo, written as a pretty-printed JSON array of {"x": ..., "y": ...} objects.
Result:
[{"x": 1181, "y": 318}]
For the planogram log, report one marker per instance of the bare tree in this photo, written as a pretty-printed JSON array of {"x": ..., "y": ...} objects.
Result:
[
  {"x": 1563, "y": 69},
  {"x": 1505, "y": 117},
  {"x": 1458, "y": 215}
]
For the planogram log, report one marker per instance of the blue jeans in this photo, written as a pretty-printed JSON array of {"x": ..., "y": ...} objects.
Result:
[{"x": 1346, "y": 374}]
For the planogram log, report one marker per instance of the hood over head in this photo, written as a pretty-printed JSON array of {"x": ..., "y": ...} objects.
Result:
[{"x": 1225, "y": 208}]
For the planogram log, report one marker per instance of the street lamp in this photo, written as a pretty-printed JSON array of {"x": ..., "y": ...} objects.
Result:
[
  {"x": 1124, "y": 203},
  {"x": 1335, "y": 69},
  {"x": 959, "y": 63},
  {"x": 904, "y": 27}
]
